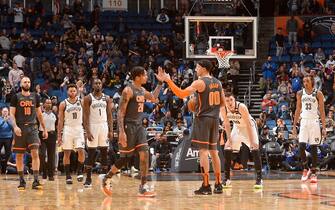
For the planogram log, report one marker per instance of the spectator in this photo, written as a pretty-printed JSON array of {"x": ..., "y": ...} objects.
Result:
[
  {"x": 305, "y": 51},
  {"x": 319, "y": 56},
  {"x": 296, "y": 80},
  {"x": 279, "y": 38},
  {"x": 18, "y": 15},
  {"x": 292, "y": 29},
  {"x": 4, "y": 66},
  {"x": 6, "y": 137},
  {"x": 19, "y": 59},
  {"x": 284, "y": 113},
  {"x": 307, "y": 29},
  {"x": 4, "y": 11},
  {"x": 305, "y": 7},
  {"x": 163, "y": 154},
  {"x": 330, "y": 123},
  {"x": 271, "y": 114},
  {"x": 38, "y": 8},
  {"x": 233, "y": 74},
  {"x": 265, "y": 136},
  {"x": 179, "y": 128},
  {"x": 14, "y": 76},
  {"x": 95, "y": 15},
  {"x": 291, "y": 157},
  {"x": 268, "y": 102},
  {"x": 5, "y": 43},
  {"x": 78, "y": 9},
  {"x": 281, "y": 131},
  {"x": 162, "y": 17},
  {"x": 269, "y": 69},
  {"x": 315, "y": 7},
  {"x": 293, "y": 6},
  {"x": 330, "y": 63},
  {"x": 317, "y": 80},
  {"x": 283, "y": 88},
  {"x": 295, "y": 49}
]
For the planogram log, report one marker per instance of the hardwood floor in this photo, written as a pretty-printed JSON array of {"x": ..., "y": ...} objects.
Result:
[{"x": 277, "y": 194}]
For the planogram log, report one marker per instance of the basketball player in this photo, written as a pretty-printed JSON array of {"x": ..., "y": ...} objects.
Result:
[
  {"x": 132, "y": 135},
  {"x": 310, "y": 106},
  {"x": 98, "y": 123},
  {"x": 70, "y": 122},
  {"x": 24, "y": 108},
  {"x": 244, "y": 130},
  {"x": 205, "y": 132}
]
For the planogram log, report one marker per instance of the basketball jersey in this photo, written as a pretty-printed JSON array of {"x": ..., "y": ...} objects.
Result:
[
  {"x": 25, "y": 108},
  {"x": 73, "y": 113},
  {"x": 309, "y": 105},
  {"x": 236, "y": 116},
  {"x": 134, "y": 111},
  {"x": 98, "y": 109},
  {"x": 209, "y": 101}
]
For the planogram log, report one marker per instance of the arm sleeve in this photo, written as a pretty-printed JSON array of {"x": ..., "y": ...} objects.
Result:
[
  {"x": 13, "y": 101},
  {"x": 38, "y": 100}
]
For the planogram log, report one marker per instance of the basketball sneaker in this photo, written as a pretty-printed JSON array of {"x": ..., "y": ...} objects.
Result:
[
  {"x": 305, "y": 175},
  {"x": 69, "y": 180},
  {"x": 105, "y": 185},
  {"x": 144, "y": 191},
  {"x": 204, "y": 190},
  {"x": 259, "y": 183},
  {"x": 314, "y": 179},
  {"x": 80, "y": 177},
  {"x": 227, "y": 183},
  {"x": 218, "y": 188},
  {"x": 37, "y": 185},
  {"x": 88, "y": 183},
  {"x": 22, "y": 185}
]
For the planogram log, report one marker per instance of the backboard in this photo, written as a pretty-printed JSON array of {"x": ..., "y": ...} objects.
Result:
[{"x": 233, "y": 33}]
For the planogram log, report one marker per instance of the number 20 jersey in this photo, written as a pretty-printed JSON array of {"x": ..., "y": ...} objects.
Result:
[
  {"x": 309, "y": 105},
  {"x": 73, "y": 114},
  {"x": 134, "y": 112}
]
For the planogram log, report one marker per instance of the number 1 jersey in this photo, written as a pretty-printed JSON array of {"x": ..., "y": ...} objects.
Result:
[
  {"x": 98, "y": 109},
  {"x": 73, "y": 113}
]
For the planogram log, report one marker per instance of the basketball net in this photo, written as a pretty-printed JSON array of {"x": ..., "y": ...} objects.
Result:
[{"x": 223, "y": 58}]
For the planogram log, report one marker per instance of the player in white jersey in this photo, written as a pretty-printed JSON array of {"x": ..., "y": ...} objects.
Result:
[
  {"x": 244, "y": 130},
  {"x": 71, "y": 125},
  {"x": 310, "y": 107},
  {"x": 98, "y": 123}
]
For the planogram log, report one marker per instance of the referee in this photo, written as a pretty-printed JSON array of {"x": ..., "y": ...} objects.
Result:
[{"x": 48, "y": 146}]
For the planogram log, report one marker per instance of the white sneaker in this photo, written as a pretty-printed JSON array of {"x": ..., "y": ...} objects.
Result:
[
  {"x": 226, "y": 183},
  {"x": 305, "y": 175}
]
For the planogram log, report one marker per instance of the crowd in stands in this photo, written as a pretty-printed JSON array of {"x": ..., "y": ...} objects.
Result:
[{"x": 291, "y": 58}]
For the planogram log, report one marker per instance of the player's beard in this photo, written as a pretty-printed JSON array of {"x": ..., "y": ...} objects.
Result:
[{"x": 25, "y": 89}]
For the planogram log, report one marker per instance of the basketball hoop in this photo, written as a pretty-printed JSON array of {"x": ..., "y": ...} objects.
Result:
[{"x": 223, "y": 58}]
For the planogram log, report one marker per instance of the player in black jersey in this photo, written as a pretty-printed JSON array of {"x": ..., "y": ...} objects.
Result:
[
  {"x": 205, "y": 131},
  {"x": 24, "y": 108},
  {"x": 132, "y": 135}
]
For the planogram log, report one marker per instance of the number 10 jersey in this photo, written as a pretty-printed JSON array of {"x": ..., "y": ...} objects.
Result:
[
  {"x": 309, "y": 105},
  {"x": 73, "y": 114}
]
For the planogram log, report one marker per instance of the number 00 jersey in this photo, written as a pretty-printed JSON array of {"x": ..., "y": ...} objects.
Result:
[
  {"x": 73, "y": 114},
  {"x": 309, "y": 105},
  {"x": 209, "y": 101},
  {"x": 98, "y": 110}
]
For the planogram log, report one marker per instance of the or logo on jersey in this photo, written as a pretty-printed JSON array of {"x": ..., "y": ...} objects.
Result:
[
  {"x": 26, "y": 103},
  {"x": 235, "y": 118},
  {"x": 140, "y": 99},
  {"x": 98, "y": 105},
  {"x": 317, "y": 140}
]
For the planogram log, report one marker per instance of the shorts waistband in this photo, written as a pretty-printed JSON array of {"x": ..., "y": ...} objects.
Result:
[{"x": 26, "y": 124}]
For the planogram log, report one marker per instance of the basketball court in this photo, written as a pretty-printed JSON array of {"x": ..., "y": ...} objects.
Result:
[{"x": 281, "y": 190}]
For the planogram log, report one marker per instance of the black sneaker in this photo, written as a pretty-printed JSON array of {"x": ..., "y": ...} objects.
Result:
[
  {"x": 51, "y": 178},
  {"x": 44, "y": 176},
  {"x": 36, "y": 185},
  {"x": 218, "y": 188},
  {"x": 204, "y": 190},
  {"x": 69, "y": 180},
  {"x": 22, "y": 185},
  {"x": 88, "y": 183}
]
